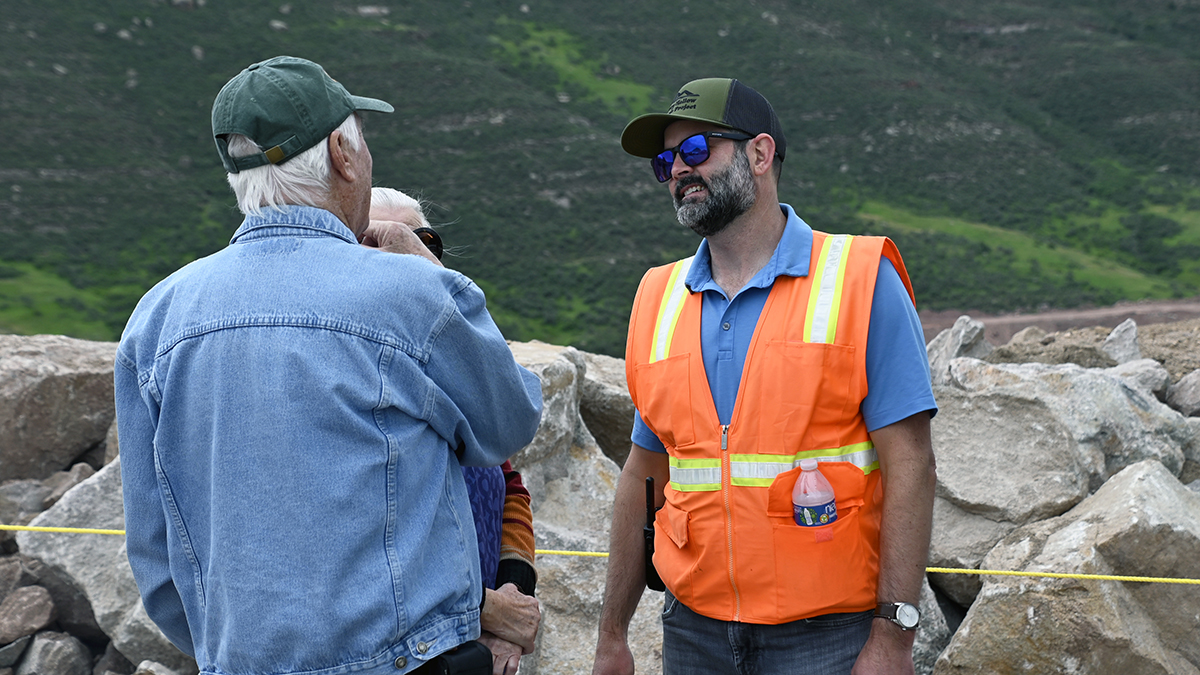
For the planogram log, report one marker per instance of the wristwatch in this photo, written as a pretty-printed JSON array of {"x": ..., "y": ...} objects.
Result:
[{"x": 900, "y": 613}]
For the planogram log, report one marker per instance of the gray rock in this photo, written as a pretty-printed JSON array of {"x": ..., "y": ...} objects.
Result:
[
  {"x": 1184, "y": 395},
  {"x": 964, "y": 338},
  {"x": 1005, "y": 457},
  {"x": 960, "y": 540},
  {"x": 55, "y": 654},
  {"x": 56, "y": 401},
  {"x": 573, "y": 485},
  {"x": 112, "y": 444},
  {"x": 1147, "y": 375},
  {"x": 1142, "y": 522},
  {"x": 1027, "y": 335},
  {"x": 24, "y": 612},
  {"x": 113, "y": 661},
  {"x": 14, "y": 575},
  {"x": 98, "y": 566},
  {"x": 74, "y": 610},
  {"x": 933, "y": 635},
  {"x": 1191, "y": 453},
  {"x": 11, "y": 653},
  {"x": 606, "y": 407},
  {"x": 60, "y": 482},
  {"x": 1122, "y": 344},
  {"x": 153, "y": 668},
  {"x": 1114, "y": 425}
]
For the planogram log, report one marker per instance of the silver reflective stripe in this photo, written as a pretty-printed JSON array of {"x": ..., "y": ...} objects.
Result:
[
  {"x": 696, "y": 476},
  {"x": 669, "y": 310},
  {"x": 828, "y": 289},
  {"x": 760, "y": 470}
]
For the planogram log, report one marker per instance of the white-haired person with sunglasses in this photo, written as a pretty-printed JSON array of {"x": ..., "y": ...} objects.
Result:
[
  {"x": 775, "y": 350},
  {"x": 500, "y": 504}
]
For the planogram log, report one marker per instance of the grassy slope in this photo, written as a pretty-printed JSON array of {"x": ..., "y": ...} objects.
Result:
[{"x": 1021, "y": 154}]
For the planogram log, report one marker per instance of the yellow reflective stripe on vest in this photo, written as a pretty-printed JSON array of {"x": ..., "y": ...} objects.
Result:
[
  {"x": 695, "y": 475},
  {"x": 820, "y": 322},
  {"x": 669, "y": 310},
  {"x": 761, "y": 470}
]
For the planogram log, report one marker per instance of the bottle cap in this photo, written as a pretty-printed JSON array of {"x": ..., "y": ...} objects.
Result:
[{"x": 808, "y": 465}]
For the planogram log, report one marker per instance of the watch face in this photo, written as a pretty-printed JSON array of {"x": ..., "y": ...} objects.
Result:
[{"x": 908, "y": 615}]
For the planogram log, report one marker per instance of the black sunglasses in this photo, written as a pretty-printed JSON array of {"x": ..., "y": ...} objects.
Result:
[
  {"x": 431, "y": 239},
  {"x": 693, "y": 150}
]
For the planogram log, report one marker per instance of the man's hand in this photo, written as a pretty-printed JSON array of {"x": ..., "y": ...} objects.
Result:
[
  {"x": 613, "y": 656},
  {"x": 506, "y": 656},
  {"x": 888, "y": 651},
  {"x": 395, "y": 237},
  {"x": 512, "y": 616}
]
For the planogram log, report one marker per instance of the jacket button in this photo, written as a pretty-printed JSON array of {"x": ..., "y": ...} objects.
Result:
[
  {"x": 422, "y": 647},
  {"x": 401, "y": 662}
]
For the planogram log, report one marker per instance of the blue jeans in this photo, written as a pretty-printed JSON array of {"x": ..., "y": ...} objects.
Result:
[{"x": 823, "y": 645}]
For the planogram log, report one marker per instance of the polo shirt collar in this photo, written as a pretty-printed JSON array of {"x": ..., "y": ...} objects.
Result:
[{"x": 791, "y": 258}]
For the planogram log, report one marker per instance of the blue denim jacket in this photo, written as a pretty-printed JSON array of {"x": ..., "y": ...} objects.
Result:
[{"x": 289, "y": 410}]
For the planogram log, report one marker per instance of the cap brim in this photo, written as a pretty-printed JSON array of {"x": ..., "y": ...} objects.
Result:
[
  {"x": 372, "y": 104},
  {"x": 643, "y": 136}
]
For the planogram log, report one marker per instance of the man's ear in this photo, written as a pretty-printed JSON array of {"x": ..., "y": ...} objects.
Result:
[
  {"x": 760, "y": 150},
  {"x": 339, "y": 157}
]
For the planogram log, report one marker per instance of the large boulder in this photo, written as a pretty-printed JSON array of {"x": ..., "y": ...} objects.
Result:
[
  {"x": 56, "y": 402},
  {"x": 98, "y": 566},
  {"x": 964, "y": 338},
  {"x": 1184, "y": 395},
  {"x": 606, "y": 407},
  {"x": 1113, "y": 424},
  {"x": 1142, "y": 522},
  {"x": 573, "y": 484}
]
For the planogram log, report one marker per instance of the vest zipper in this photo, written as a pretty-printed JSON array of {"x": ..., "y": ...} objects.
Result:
[{"x": 726, "y": 487}]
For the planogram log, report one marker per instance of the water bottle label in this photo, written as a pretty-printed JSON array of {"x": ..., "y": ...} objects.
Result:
[{"x": 815, "y": 516}]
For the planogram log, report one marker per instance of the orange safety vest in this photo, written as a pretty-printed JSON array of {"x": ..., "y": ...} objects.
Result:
[{"x": 725, "y": 542}]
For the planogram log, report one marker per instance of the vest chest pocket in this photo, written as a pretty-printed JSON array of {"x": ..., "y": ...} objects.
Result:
[
  {"x": 806, "y": 392},
  {"x": 665, "y": 399}
]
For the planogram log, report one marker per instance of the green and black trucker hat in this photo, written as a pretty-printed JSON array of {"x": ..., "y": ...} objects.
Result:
[
  {"x": 719, "y": 100},
  {"x": 286, "y": 105}
]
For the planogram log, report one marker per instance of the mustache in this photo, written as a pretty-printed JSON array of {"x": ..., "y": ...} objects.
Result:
[{"x": 686, "y": 182}]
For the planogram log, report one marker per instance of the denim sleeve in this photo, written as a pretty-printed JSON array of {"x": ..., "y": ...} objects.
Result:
[
  {"x": 146, "y": 528},
  {"x": 494, "y": 405},
  {"x": 897, "y": 366}
]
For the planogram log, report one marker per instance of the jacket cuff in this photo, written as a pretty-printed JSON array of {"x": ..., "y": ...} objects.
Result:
[{"x": 518, "y": 572}]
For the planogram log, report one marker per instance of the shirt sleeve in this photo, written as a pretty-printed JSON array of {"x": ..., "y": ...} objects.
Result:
[
  {"x": 643, "y": 436},
  {"x": 898, "y": 383},
  {"x": 491, "y": 406},
  {"x": 146, "y": 528},
  {"x": 516, "y": 535}
]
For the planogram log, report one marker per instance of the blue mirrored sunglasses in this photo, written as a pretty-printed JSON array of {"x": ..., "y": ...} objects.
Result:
[{"x": 693, "y": 151}]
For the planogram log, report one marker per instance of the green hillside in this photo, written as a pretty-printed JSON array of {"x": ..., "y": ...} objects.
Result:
[{"x": 1021, "y": 154}]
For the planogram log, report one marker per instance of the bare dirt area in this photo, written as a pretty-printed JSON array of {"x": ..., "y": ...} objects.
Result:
[
  {"x": 1167, "y": 331},
  {"x": 1001, "y": 327}
]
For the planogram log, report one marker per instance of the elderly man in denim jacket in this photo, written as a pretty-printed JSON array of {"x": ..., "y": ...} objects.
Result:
[{"x": 294, "y": 410}]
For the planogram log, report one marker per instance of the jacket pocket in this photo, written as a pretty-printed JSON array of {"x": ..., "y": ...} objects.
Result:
[
  {"x": 827, "y": 568},
  {"x": 665, "y": 399}
]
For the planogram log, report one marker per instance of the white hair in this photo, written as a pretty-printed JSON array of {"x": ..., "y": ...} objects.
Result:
[
  {"x": 389, "y": 198},
  {"x": 302, "y": 180}
]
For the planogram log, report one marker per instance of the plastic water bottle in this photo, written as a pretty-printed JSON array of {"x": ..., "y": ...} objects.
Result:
[{"x": 813, "y": 502}]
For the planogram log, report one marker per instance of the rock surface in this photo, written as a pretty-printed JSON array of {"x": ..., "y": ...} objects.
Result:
[
  {"x": 1121, "y": 344},
  {"x": 1184, "y": 395},
  {"x": 53, "y": 653},
  {"x": 1142, "y": 522},
  {"x": 606, "y": 407},
  {"x": 965, "y": 338},
  {"x": 56, "y": 402}
]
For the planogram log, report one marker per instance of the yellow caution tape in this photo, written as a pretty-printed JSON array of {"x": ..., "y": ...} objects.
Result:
[
  {"x": 71, "y": 530},
  {"x": 603, "y": 554}
]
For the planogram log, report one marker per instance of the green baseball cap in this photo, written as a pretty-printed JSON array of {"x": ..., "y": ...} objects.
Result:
[
  {"x": 286, "y": 105},
  {"x": 719, "y": 100}
]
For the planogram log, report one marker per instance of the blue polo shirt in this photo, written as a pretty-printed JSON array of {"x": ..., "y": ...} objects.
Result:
[{"x": 897, "y": 366}]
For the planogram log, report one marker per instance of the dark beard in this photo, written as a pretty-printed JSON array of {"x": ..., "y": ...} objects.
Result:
[{"x": 730, "y": 194}]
